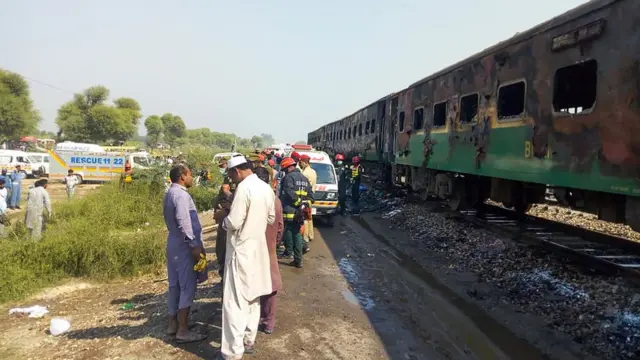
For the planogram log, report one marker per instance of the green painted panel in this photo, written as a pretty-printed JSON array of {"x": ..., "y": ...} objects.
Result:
[{"x": 506, "y": 159}]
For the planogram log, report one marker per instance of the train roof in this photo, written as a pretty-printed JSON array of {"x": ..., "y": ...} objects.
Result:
[{"x": 575, "y": 13}]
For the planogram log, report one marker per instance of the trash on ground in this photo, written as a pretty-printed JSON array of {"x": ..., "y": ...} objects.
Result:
[
  {"x": 59, "y": 326},
  {"x": 35, "y": 311}
]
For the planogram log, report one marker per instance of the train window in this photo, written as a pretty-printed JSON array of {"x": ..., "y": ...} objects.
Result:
[
  {"x": 349, "y": 134},
  {"x": 574, "y": 88},
  {"x": 366, "y": 127},
  {"x": 440, "y": 114},
  {"x": 401, "y": 121},
  {"x": 355, "y": 130},
  {"x": 373, "y": 126},
  {"x": 469, "y": 108},
  {"x": 418, "y": 118},
  {"x": 511, "y": 99},
  {"x": 360, "y": 129}
]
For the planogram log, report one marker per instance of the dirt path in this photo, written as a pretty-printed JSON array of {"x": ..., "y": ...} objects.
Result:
[{"x": 351, "y": 301}]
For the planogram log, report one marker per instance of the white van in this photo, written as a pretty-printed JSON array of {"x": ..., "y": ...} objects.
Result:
[
  {"x": 39, "y": 164},
  {"x": 325, "y": 193},
  {"x": 70, "y": 146},
  {"x": 9, "y": 159}
]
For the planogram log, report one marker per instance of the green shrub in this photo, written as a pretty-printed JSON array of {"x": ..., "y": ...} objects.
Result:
[
  {"x": 203, "y": 197},
  {"x": 109, "y": 233}
]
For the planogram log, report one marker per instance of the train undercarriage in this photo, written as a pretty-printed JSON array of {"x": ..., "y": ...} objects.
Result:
[{"x": 463, "y": 191}]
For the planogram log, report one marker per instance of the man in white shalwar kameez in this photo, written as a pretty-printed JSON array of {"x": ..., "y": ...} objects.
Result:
[
  {"x": 37, "y": 201},
  {"x": 247, "y": 274}
]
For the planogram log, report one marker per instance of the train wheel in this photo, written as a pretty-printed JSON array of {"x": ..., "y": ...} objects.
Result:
[{"x": 458, "y": 199}]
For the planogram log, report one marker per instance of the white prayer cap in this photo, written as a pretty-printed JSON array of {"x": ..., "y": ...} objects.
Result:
[{"x": 235, "y": 161}]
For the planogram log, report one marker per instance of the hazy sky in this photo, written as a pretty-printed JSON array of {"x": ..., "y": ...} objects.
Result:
[{"x": 249, "y": 67}]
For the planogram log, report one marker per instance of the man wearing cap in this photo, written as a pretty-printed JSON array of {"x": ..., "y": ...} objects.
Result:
[
  {"x": 247, "y": 274},
  {"x": 311, "y": 175},
  {"x": 16, "y": 187}
]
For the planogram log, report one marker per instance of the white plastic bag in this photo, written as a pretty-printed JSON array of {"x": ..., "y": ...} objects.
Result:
[{"x": 59, "y": 326}]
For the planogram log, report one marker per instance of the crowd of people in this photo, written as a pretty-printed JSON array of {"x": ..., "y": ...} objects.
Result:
[
  {"x": 264, "y": 201},
  {"x": 38, "y": 202}
]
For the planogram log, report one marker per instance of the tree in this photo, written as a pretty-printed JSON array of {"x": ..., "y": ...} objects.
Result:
[
  {"x": 17, "y": 114},
  {"x": 87, "y": 118},
  {"x": 154, "y": 127},
  {"x": 257, "y": 141},
  {"x": 174, "y": 129},
  {"x": 267, "y": 139}
]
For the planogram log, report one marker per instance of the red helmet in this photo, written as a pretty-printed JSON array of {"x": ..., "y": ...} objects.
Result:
[
  {"x": 272, "y": 163},
  {"x": 287, "y": 162},
  {"x": 295, "y": 156},
  {"x": 261, "y": 157},
  {"x": 355, "y": 160},
  {"x": 339, "y": 157}
]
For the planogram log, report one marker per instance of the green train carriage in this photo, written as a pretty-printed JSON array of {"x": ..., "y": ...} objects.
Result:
[{"x": 556, "y": 105}]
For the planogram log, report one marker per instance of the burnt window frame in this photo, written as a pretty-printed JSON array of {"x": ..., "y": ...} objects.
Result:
[
  {"x": 433, "y": 114},
  {"x": 360, "y": 130},
  {"x": 401, "y": 123},
  {"x": 477, "y": 107},
  {"x": 349, "y": 133},
  {"x": 523, "y": 114},
  {"x": 372, "y": 130},
  {"x": 553, "y": 90},
  {"x": 424, "y": 123},
  {"x": 366, "y": 127}
]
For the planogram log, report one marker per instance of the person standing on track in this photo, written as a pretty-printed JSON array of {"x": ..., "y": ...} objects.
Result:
[
  {"x": 184, "y": 251},
  {"x": 247, "y": 274},
  {"x": 295, "y": 194},
  {"x": 311, "y": 175}
]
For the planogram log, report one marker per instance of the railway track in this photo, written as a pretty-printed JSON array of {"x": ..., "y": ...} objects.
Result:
[{"x": 610, "y": 254}]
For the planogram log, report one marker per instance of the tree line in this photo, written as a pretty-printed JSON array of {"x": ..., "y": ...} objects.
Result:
[{"x": 89, "y": 117}]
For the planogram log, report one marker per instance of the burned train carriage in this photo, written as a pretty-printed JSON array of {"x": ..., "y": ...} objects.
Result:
[{"x": 557, "y": 106}]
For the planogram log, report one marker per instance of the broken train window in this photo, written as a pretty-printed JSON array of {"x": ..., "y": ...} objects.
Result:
[
  {"x": 511, "y": 100},
  {"x": 355, "y": 130},
  {"x": 373, "y": 126},
  {"x": 366, "y": 127},
  {"x": 469, "y": 108},
  {"x": 440, "y": 114},
  {"x": 401, "y": 121},
  {"x": 418, "y": 118},
  {"x": 360, "y": 129},
  {"x": 575, "y": 87},
  {"x": 349, "y": 134}
]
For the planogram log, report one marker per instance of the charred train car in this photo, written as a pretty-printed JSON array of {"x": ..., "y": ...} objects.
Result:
[{"x": 557, "y": 105}]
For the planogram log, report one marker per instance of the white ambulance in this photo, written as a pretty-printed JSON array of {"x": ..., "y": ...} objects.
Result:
[{"x": 325, "y": 193}]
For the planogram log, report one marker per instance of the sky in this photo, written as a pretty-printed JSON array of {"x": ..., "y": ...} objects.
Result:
[{"x": 249, "y": 67}]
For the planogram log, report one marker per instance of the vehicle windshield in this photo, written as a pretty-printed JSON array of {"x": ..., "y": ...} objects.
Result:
[
  {"x": 35, "y": 159},
  {"x": 324, "y": 172},
  {"x": 141, "y": 160}
]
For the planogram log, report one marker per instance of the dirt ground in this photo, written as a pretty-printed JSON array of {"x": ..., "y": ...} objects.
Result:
[{"x": 352, "y": 300}]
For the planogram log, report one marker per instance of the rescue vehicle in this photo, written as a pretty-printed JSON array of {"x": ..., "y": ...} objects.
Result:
[{"x": 325, "y": 193}]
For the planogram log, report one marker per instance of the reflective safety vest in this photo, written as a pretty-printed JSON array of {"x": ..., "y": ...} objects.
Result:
[
  {"x": 295, "y": 190},
  {"x": 355, "y": 172}
]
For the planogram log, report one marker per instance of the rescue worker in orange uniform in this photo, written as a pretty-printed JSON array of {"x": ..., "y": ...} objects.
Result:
[
  {"x": 356, "y": 174},
  {"x": 295, "y": 195}
]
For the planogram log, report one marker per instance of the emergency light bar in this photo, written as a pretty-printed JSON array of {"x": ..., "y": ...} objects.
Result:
[{"x": 302, "y": 147}]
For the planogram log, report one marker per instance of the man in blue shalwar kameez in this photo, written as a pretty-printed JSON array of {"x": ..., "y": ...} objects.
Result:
[
  {"x": 184, "y": 248},
  {"x": 16, "y": 187}
]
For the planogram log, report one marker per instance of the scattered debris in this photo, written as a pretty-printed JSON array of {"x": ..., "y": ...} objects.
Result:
[
  {"x": 59, "y": 326},
  {"x": 36, "y": 311}
]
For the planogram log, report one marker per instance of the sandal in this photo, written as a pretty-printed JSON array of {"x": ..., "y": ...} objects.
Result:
[
  {"x": 172, "y": 333},
  {"x": 193, "y": 337}
]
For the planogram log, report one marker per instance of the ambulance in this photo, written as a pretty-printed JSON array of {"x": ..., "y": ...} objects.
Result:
[
  {"x": 325, "y": 193},
  {"x": 9, "y": 159}
]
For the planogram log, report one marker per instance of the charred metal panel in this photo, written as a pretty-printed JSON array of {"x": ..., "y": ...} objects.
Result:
[{"x": 609, "y": 134}]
